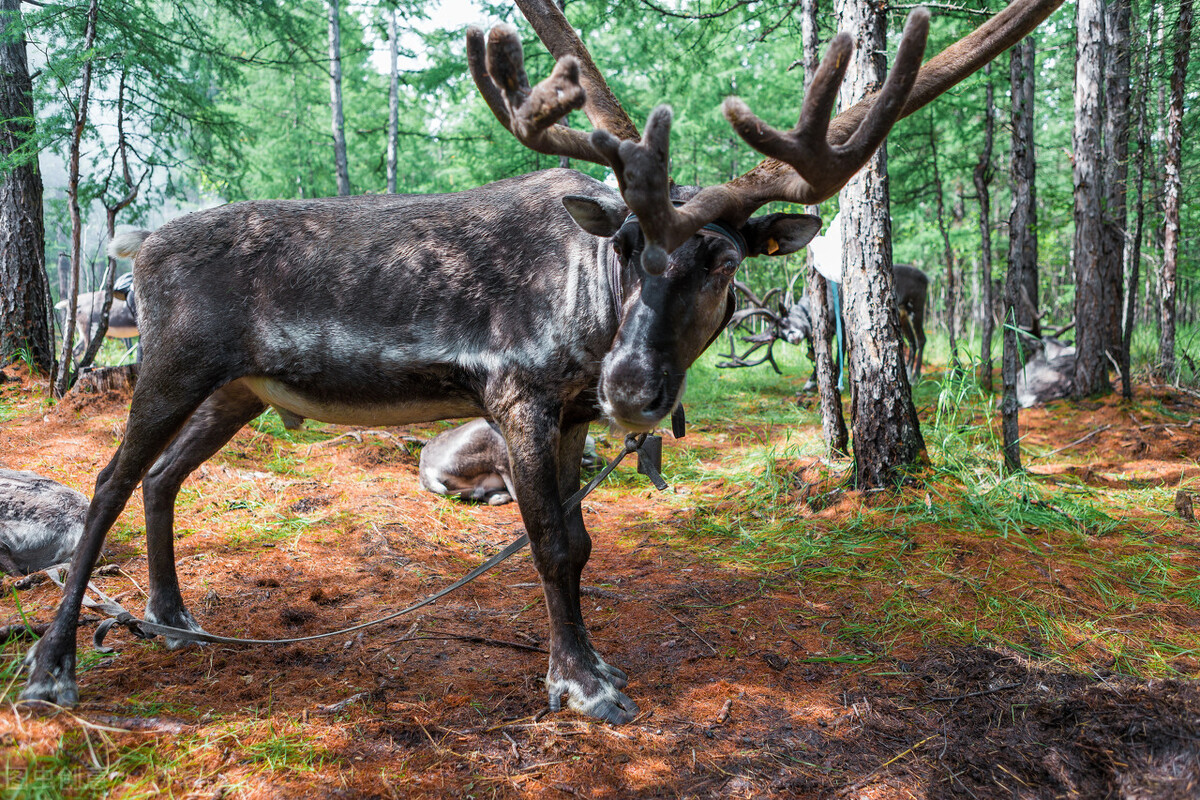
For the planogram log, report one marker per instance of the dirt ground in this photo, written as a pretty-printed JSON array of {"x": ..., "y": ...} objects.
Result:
[{"x": 743, "y": 690}]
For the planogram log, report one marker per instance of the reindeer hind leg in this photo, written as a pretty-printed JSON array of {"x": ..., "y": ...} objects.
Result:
[
  {"x": 162, "y": 402},
  {"x": 212, "y": 425}
]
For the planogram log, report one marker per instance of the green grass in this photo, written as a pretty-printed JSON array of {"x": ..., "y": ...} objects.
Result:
[{"x": 968, "y": 555}]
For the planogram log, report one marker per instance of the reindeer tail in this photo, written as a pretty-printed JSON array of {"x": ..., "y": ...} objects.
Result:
[{"x": 126, "y": 245}]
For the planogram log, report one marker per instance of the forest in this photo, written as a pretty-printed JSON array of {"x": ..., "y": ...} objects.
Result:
[{"x": 961, "y": 559}]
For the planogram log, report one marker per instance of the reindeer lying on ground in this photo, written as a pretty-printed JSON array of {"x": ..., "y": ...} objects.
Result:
[
  {"x": 540, "y": 302},
  {"x": 471, "y": 462},
  {"x": 40, "y": 521}
]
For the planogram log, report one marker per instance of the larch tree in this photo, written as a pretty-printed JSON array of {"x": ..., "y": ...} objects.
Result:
[
  {"x": 1091, "y": 320},
  {"x": 953, "y": 279},
  {"x": 1171, "y": 193},
  {"x": 1020, "y": 283},
  {"x": 833, "y": 423},
  {"x": 1133, "y": 254},
  {"x": 62, "y": 382},
  {"x": 887, "y": 435},
  {"x": 393, "y": 142},
  {"x": 1022, "y": 219},
  {"x": 1114, "y": 209},
  {"x": 982, "y": 177},
  {"x": 24, "y": 288},
  {"x": 341, "y": 162}
]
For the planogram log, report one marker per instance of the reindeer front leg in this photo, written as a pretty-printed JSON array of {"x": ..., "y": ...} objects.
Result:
[{"x": 537, "y": 449}]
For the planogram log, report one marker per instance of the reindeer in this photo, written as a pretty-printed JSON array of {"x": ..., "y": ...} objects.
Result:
[
  {"x": 540, "y": 302},
  {"x": 122, "y": 324},
  {"x": 470, "y": 462},
  {"x": 911, "y": 291}
]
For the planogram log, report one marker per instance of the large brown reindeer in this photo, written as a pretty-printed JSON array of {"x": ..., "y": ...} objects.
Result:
[{"x": 539, "y": 302}]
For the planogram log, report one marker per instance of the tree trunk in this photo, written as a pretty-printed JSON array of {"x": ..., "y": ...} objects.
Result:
[
  {"x": 1171, "y": 187},
  {"x": 65, "y": 377},
  {"x": 1116, "y": 168},
  {"x": 111, "y": 210},
  {"x": 24, "y": 287},
  {"x": 1134, "y": 254},
  {"x": 335, "y": 101},
  {"x": 1091, "y": 321},
  {"x": 983, "y": 180},
  {"x": 1022, "y": 220},
  {"x": 833, "y": 423},
  {"x": 1019, "y": 300},
  {"x": 887, "y": 435},
  {"x": 393, "y": 144},
  {"x": 952, "y": 282}
]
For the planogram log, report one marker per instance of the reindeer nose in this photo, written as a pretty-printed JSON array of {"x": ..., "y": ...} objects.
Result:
[{"x": 634, "y": 397}]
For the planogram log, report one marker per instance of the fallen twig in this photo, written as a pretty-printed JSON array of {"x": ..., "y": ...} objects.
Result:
[
  {"x": 143, "y": 724},
  {"x": 466, "y": 637},
  {"x": 723, "y": 715},
  {"x": 955, "y": 698},
  {"x": 1080, "y": 440},
  {"x": 1188, "y": 424},
  {"x": 688, "y": 628},
  {"x": 18, "y": 631},
  {"x": 860, "y": 783},
  {"x": 342, "y": 705}
]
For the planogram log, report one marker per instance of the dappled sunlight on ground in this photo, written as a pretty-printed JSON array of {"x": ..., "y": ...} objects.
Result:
[{"x": 785, "y": 637}]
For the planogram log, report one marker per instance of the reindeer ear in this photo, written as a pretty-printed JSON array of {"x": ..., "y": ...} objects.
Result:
[
  {"x": 599, "y": 216},
  {"x": 780, "y": 234}
]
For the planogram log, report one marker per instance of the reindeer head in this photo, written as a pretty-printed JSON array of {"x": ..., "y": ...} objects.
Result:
[{"x": 687, "y": 243}]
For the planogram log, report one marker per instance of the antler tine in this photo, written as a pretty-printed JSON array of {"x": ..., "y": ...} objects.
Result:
[
  {"x": 823, "y": 165},
  {"x": 641, "y": 168},
  {"x": 641, "y": 172},
  {"x": 530, "y": 114}
]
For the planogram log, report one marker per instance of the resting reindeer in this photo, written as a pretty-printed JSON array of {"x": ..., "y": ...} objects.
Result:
[
  {"x": 471, "y": 462},
  {"x": 386, "y": 310},
  {"x": 911, "y": 290},
  {"x": 40, "y": 521}
]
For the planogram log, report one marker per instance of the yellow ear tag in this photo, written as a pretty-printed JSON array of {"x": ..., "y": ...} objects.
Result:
[{"x": 772, "y": 247}]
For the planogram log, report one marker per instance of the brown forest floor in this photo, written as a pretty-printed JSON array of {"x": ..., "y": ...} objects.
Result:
[{"x": 748, "y": 684}]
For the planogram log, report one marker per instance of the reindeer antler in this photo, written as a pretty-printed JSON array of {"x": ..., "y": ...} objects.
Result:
[
  {"x": 821, "y": 167},
  {"x": 530, "y": 114},
  {"x": 805, "y": 165}
]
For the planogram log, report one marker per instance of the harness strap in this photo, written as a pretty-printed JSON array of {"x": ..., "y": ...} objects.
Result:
[{"x": 144, "y": 629}]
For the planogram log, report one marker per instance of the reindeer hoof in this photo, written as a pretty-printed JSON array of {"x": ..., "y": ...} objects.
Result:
[
  {"x": 180, "y": 618},
  {"x": 597, "y": 695},
  {"x": 619, "y": 679},
  {"x": 53, "y": 684}
]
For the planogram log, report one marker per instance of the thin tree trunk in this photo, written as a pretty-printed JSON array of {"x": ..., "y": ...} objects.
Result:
[
  {"x": 983, "y": 180},
  {"x": 335, "y": 101},
  {"x": 65, "y": 377},
  {"x": 393, "y": 144},
  {"x": 833, "y": 423},
  {"x": 1022, "y": 220},
  {"x": 887, "y": 435},
  {"x": 1116, "y": 168},
  {"x": 24, "y": 286},
  {"x": 952, "y": 287},
  {"x": 1134, "y": 254},
  {"x": 1091, "y": 321},
  {"x": 111, "y": 210},
  {"x": 1022, "y": 246},
  {"x": 1171, "y": 190}
]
